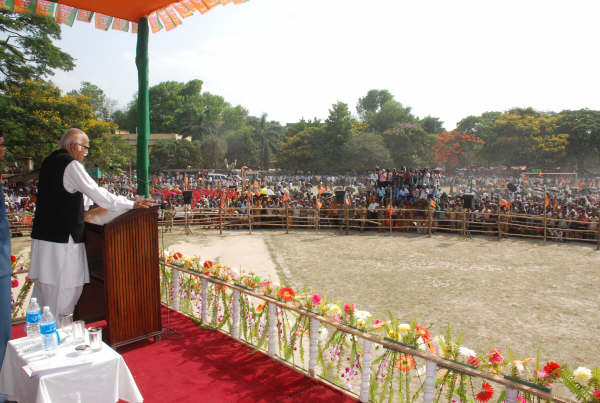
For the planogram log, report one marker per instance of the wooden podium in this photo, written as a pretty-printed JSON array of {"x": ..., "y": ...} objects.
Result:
[{"x": 124, "y": 286}]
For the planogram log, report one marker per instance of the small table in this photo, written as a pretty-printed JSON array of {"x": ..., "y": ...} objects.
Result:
[{"x": 93, "y": 376}]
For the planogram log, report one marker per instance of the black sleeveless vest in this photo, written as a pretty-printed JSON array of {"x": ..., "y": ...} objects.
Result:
[{"x": 58, "y": 213}]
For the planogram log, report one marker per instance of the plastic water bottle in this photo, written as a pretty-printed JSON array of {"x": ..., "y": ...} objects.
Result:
[
  {"x": 33, "y": 318},
  {"x": 48, "y": 329}
]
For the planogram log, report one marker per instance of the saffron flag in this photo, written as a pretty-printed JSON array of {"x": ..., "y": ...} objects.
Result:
[
  {"x": 7, "y": 5},
  {"x": 155, "y": 24},
  {"x": 222, "y": 201},
  {"x": 322, "y": 189},
  {"x": 546, "y": 202},
  {"x": 504, "y": 203},
  {"x": 286, "y": 197},
  {"x": 200, "y": 6},
  {"x": 165, "y": 19},
  {"x": 173, "y": 15},
  {"x": 45, "y": 8},
  {"x": 319, "y": 204},
  {"x": 23, "y": 6},
  {"x": 65, "y": 14},
  {"x": 185, "y": 180},
  {"x": 183, "y": 10},
  {"x": 433, "y": 203},
  {"x": 348, "y": 202},
  {"x": 120, "y": 25},
  {"x": 84, "y": 15},
  {"x": 211, "y": 3},
  {"x": 390, "y": 210},
  {"x": 103, "y": 21}
]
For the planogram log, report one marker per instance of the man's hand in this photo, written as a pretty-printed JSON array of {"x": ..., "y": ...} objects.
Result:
[{"x": 143, "y": 203}]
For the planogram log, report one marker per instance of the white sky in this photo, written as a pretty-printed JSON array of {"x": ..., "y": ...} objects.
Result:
[{"x": 295, "y": 58}]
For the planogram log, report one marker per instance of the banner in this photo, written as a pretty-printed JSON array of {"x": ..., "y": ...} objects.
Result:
[
  {"x": 166, "y": 21},
  {"x": 120, "y": 25},
  {"x": 103, "y": 21},
  {"x": 199, "y": 5},
  {"x": 45, "y": 8},
  {"x": 155, "y": 24},
  {"x": 24, "y": 6},
  {"x": 183, "y": 10},
  {"x": 84, "y": 15},
  {"x": 65, "y": 14},
  {"x": 7, "y": 5},
  {"x": 173, "y": 15}
]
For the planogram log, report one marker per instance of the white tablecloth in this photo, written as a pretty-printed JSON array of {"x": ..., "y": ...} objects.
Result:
[{"x": 94, "y": 377}]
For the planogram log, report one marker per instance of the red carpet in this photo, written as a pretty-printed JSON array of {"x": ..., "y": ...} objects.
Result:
[{"x": 198, "y": 365}]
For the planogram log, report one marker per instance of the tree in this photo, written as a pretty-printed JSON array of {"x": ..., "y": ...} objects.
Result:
[
  {"x": 456, "y": 148},
  {"x": 525, "y": 136},
  {"x": 100, "y": 103},
  {"x": 242, "y": 148},
  {"x": 372, "y": 102},
  {"x": 266, "y": 134},
  {"x": 177, "y": 154},
  {"x": 483, "y": 127},
  {"x": 432, "y": 125},
  {"x": 366, "y": 151},
  {"x": 583, "y": 129},
  {"x": 214, "y": 150},
  {"x": 27, "y": 51},
  {"x": 408, "y": 144},
  {"x": 299, "y": 151},
  {"x": 389, "y": 116},
  {"x": 36, "y": 116}
]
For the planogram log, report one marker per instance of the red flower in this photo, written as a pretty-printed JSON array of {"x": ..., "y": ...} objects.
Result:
[
  {"x": 208, "y": 264},
  {"x": 487, "y": 391},
  {"x": 552, "y": 369},
  {"x": 405, "y": 363},
  {"x": 495, "y": 356},
  {"x": 474, "y": 361},
  {"x": 177, "y": 255},
  {"x": 349, "y": 308},
  {"x": 14, "y": 283},
  {"x": 423, "y": 333},
  {"x": 12, "y": 258},
  {"x": 596, "y": 396},
  {"x": 286, "y": 294}
]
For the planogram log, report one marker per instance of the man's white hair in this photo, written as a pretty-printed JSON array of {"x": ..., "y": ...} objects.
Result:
[{"x": 72, "y": 135}]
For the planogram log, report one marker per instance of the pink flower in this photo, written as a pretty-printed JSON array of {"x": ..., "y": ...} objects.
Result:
[
  {"x": 349, "y": 309},
  {"x": 14, "y": 283},
  {"x": 521, "y": 399},
  {"x": 495, "y": 356},
  {"x": 316, "y": 299},
  {"x": 542, "y": 374}
]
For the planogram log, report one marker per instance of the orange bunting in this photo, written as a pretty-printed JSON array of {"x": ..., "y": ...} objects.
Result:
[
  {"x": 170, "y": 10},
  {"x": 155, "y": 24},
  {"x": 183, "y": 10},
  {"x": 199, "y": 5},
  {"x": 211, "y": 3},
  {"x": 165, "y": 19},
  {"x": 84, "y": 15},
  {"x": 45, "y": 8}
]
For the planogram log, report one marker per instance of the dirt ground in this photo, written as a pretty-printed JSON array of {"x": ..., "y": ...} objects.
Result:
[{"x": 514, "y": 293}]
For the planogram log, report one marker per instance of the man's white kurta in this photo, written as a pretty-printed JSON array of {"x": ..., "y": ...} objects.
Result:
[{"x": 64, "y": 265}]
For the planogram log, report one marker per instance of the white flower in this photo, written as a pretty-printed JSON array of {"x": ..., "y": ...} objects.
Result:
[
  {"x": 234, "y": 273},
  {"x": 362, "y": 315},
  {"x": 466, "y": 352},
  {"x": 421, "y": 344},
  {"x": 332, "y": 309},
  {"x": 323, "y": 333},
  {"x": 519, "y": 366},
  {"x": 421, "y": 371},
  {"x": 403, "y": 328},
  {"x": 582, "y": 374}
]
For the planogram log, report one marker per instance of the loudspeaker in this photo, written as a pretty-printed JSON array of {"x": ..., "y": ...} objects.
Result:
[
  {"x": 468, "y": 201},
  {"x": 187, "y": 196},
  {"x": 340, "y": 195}
]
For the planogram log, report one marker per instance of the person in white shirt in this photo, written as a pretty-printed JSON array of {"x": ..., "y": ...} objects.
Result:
[{"x": 59, "y": 267}]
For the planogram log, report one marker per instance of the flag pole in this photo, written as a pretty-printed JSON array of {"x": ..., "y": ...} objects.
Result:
[{"x": 143, "y": 109}]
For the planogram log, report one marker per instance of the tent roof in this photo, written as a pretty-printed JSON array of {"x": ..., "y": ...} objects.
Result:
[{"x": 131, "y": 10}]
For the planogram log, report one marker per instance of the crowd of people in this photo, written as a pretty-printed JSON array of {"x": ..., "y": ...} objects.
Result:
[{"x": 565, "y": 198}]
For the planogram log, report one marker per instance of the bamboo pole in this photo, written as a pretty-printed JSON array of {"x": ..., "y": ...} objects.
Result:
[
  {"x": 287, "y": 220},
  {"x": 545, "y": 215}
]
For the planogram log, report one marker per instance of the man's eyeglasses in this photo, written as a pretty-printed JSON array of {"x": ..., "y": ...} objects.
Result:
[{"x": 86, "y": 147}]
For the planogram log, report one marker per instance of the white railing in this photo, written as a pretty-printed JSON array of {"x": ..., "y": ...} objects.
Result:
[{"x": 382, "y": 375}]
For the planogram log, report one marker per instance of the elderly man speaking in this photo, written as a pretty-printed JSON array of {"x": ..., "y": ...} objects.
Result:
[{"x": 59, "y": 266}]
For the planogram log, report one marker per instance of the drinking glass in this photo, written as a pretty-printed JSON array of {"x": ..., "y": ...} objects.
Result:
[
  {"x": 65, "y": 321},
  {"x": 78, "y": 329},
  {"x": 95, "y": 338}
]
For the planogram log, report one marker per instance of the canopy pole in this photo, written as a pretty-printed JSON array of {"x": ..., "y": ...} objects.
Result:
[{"x": 143, "y": 109}]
